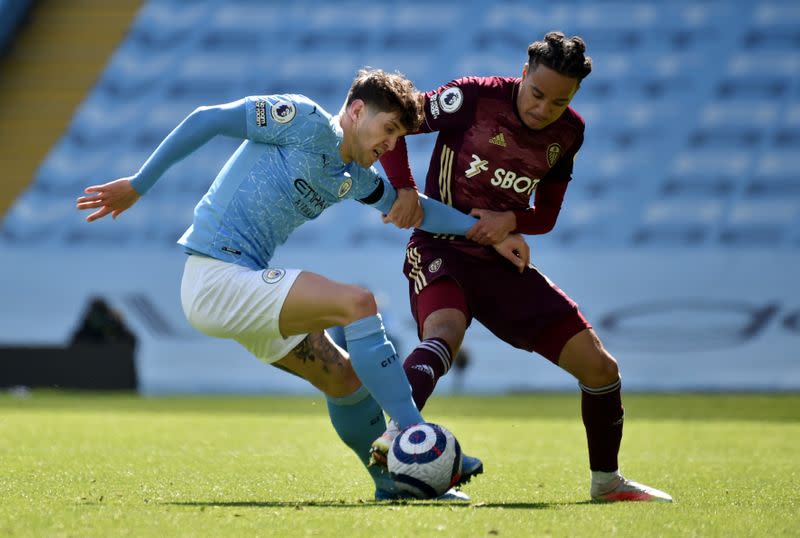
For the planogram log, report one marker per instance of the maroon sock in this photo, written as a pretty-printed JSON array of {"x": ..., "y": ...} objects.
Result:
[
  {"x": 429, "y": 361},
  {"x": 602, "y": 416}
]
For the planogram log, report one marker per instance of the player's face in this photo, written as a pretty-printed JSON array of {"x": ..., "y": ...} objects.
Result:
[
  {"x": 375, "y": 133},
  {"x": 543, "y": 96}
]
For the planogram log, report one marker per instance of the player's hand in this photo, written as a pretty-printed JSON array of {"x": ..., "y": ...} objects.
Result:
[
  {"x": 113, "y": 197},
  {"x": 406, "y": 211},
  {"x": 493, "y": 226},
  {"x": 515, "y": 249}
]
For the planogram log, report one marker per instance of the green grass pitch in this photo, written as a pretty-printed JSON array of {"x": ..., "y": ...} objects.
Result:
[{"x": 110, "y": 465}]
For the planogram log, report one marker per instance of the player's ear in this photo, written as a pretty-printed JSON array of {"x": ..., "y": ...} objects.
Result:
[
  {"x": 356, "y": 109},
  {"x": 525, "y": 70}
]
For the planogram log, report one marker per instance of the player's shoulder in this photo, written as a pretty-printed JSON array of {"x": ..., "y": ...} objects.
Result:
[
  {"x": 369, "y": 174},
  {"x": 365, "y": 184},
  {"x": 573, "y": 119},
  {"x": 488, "y": 86},
  {"x": 290, "y": 108}
]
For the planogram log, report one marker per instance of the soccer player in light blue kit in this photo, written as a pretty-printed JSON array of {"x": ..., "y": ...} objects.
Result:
[{"x": 295, "y": 161}]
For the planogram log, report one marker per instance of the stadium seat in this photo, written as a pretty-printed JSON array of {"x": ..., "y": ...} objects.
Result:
[
  {"x": 689, "y": 106},
  {"x": 697, "y": 187}
]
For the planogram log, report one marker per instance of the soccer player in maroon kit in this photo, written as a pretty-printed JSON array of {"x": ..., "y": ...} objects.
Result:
[{"x": 500, "y": 141}]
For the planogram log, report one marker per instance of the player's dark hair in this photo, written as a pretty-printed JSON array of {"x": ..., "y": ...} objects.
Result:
[
  {"x": 564, "y": 55},
  {"x": 387, "y": 92}
]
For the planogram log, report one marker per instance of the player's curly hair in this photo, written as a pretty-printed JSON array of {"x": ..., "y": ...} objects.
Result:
[
  {"x": 562, "y": 54},
  {"x": 388, "y": 92}
]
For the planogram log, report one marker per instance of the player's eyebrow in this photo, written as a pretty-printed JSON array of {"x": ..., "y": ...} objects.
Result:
[
  {"x": 394, "y": 125},
  {"x": 540, "y": 93}
]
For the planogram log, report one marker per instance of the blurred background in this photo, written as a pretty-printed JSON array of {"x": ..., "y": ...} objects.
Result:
[{"x": 679, "y": 235}]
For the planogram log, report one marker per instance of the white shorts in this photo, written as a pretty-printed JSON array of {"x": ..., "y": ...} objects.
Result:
[{"x": 226, "y": 300}]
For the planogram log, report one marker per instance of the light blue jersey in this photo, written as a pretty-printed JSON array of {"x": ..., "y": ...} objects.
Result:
[{"x": 286, "y": 172}]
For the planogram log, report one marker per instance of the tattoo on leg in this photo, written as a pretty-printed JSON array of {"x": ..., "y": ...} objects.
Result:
[
  {"x": 325, "y": 350},
  {"x": 316, "y": 346},
  {"x": 303, "y": 351}
]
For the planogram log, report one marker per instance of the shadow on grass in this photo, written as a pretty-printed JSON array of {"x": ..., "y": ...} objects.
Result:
[{"x": 299, "y": 505}]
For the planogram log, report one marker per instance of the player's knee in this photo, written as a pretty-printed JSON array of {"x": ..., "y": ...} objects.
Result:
[
  {"x": 608, "y": 369},
  {"x": 359, "y": 303},
  {"x": 602, "y": 370}
]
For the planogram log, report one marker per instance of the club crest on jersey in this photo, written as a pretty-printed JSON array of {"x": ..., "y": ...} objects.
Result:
[
  {"x": 450, "y": 100},
  {"x": 435, "y": 265},
  {"x": 553, "y": 153},
  {"x": 261, "y": 113},
  {"x": 271, "y": 276},
  {"x": 344, "y": 188},
  {"x": 283, "y": 111}
]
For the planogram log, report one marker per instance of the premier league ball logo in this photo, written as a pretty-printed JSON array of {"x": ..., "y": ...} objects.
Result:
[
  {"x": 450, "y": 100},
  {"x": 283, "y": 111}
]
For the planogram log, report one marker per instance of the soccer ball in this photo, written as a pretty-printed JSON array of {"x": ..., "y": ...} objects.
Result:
[{"x": 425, "y": 460}]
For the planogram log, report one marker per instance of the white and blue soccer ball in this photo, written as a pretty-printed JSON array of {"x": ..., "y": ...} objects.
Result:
[{"x": 425, "y": 460}]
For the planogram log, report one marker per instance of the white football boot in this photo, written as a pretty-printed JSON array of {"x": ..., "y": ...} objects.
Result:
[
  {"x": 620, "y": 489},
  {"x": 379, "y": 451}
]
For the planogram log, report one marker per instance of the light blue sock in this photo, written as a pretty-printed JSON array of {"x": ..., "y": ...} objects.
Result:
[
  {"x": 358, "y": 419},
  {"x": 380, "y": 370}
]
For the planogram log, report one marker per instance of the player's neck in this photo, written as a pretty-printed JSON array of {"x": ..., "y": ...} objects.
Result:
[{"x": 344, "y": 145}]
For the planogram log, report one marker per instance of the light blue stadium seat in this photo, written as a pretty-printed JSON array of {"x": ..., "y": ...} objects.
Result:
[
  {"x": 697, "y": 186},
  {"x": 776, "y": 14},
  {"x": 688, "y": 106},
  {"x": 760, "y": 222},
  {"x": 684, "y": 222},
  {"x": 164, "y": 25},
  {"x": 783, "y": 187},
  {"x": 740, "y": 113},
  {"x": 766, "y": 88},
  {"x": 134, "y": 72}
]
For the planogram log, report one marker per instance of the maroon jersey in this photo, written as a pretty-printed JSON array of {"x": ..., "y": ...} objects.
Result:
[{"x": 486, "y": 157}]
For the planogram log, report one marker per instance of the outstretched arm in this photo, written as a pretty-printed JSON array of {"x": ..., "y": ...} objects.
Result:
[
  {"x": 439, "y": 218},
  {"x": 198, "y": 128}
]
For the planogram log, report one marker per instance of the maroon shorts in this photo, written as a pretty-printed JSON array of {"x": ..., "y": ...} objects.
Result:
[{"x": 525, "y": 309}]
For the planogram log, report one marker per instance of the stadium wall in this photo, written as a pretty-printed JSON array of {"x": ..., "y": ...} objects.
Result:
[{"x": 676, "y": 320}]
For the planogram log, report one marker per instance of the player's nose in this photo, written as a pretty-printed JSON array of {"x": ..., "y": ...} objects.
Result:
[{"x": 542, "y": 109}]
